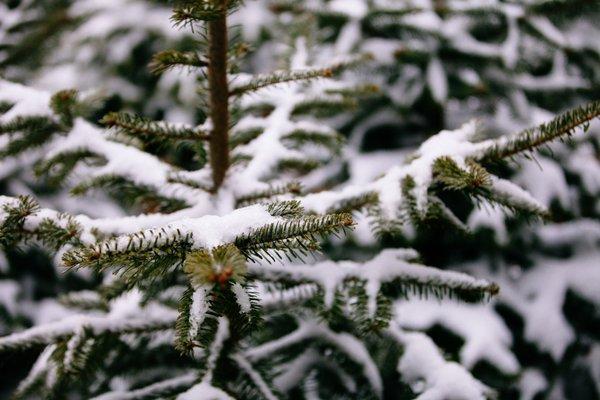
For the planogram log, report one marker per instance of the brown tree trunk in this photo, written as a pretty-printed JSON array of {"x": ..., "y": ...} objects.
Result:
[{"x": 219, "y": 98}]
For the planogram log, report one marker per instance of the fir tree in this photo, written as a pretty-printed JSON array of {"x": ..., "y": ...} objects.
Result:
[{"x": 207, "y": 293}]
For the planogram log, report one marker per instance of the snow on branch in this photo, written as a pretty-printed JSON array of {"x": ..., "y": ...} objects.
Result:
[
  {"x": 486, "y": 336},
  {"x": 49, "y": 333},
  {"x": 531, "y": 139},
  {"x": 204, "y": 232},
  {"x": 139, "y": 126},
  {"x": 450, "y": 158},
  {"x": 121, "y": 160},
  {"x": 308, "y": 329},
  {"x": 390, "y": 271},
  {"x": 24, "y": 101},
  {"x": 204, "y": 389},
  {"x": 424, "y": 368},
  {"x": 156, "y": 390},
  {"x": 281, "y": 139}
]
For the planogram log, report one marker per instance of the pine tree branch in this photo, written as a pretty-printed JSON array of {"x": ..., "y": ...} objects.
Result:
[
  {"x": 274, "y": 78},
  {"x": 46, "y": 334},
  {"x": 296, "y": 234},
  {"x": 162, "y": 389},
  {"x": 530, "y": 139},
  {"x": 135, "y": 125},
  {"x": 168, "y": 59},
  {"x": 293, "y": 188}
]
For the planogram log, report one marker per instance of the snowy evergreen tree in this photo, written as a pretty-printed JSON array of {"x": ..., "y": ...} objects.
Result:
[{"x": 207, "y": 289}]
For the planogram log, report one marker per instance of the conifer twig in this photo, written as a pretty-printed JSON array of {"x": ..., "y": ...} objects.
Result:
[{"x": 530, "y": 139}]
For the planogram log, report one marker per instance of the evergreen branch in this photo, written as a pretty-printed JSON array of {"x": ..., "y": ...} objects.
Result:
[
  {"x": 286, "y": 209},
  {"x": 84, "y": 300},
  {"x": 453, "y": 177},
  {"x": 323, "y": 107},
  {"x": 277, "y": 77},
  {"x": 166, "y": 60},
  {"x": 301, "y": 165},
  {"x": 189, "y": 12},
  {"x": 183, "y": 179},
  {"x": 65, "y": 103},
  {"x": 257, "y": 380},
  {"x": 57, "y": 168},
  {"x": 5, "y": 106},
  {"x": 244, "y": 136},
  {"x": 30, "y": 132},
  {"x": 130, "y": 250},
  {"x": 364, "y": 90},
  {"x": 52, "y": 332},
  {"x": 530, "y": 139},
  {"x": 389, "y": 274},
  {"x": 23, "y": 219},
  {"x": 29, "y": 124},
  {"x": 344, "y": 342},
  {"x": 509, "y": 195},
  {"x": 293, "y": 188},
  {"x": 297, "y": 233},
  {"x": 354, "y": 203},
  {"x": 300, "y": 137},
  {"x": 157, "y": 390},
  {"x": 53, "y": 235},
  {"x": 135, "y": 125},
  {"x": 130, "y": 192},
  {"x": 15, "y": 211}
]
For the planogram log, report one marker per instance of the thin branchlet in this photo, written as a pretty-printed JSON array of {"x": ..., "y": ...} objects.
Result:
[{"x": 531, "y": 139}]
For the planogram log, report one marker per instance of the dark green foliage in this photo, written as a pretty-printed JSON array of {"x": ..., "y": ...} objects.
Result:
[
  {"x": 325, "y": 107},
  {"x": 166, "y": 60},
  {"x": 292, "y": 188},
  {"x": 452, "y": 177},
  {"x": 130, "y": 193},
  {"x": 57, "y": 168},
  {"x": 244, "y": 136},
  {"x": 63, "y": 103},
  {"x": 146, "y": 129},
  {"x": 279, "y": 77},
  {"x": 28, "y": 133},
  {"x": 298, "y": 138},
  {"x": 12, "y": 230},
  {"x": 296, "y": 236}
]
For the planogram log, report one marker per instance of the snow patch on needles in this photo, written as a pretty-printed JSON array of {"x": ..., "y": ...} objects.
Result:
[
  {"x": 27, "y": 101},
  {"x": 455, "y": 145},
  {"x": 423, "y": 367},
  {"x": 390, "y": 265},
  {"x": 351, "y": 346}
]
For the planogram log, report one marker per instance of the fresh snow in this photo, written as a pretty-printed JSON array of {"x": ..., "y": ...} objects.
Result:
[{"x": 389, "y": 265}]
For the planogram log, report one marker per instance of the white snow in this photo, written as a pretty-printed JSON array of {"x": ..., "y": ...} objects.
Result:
[
  {"x": 241, "y": 296},
  {"x": 423, "y": 367},
  {"x": 198, "y": 310},
  {"x": 486, "y": 336},
  {"x": 348, "y": 344},
  {"x": 158, "y": 387},
  {"x": 27, "y": 101},
  {"x": 453, "y": 144},
  {"x": 203, "y": 391},
  {"x": 437, "y": 80},
  {"x": 387, "y": 266}
]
